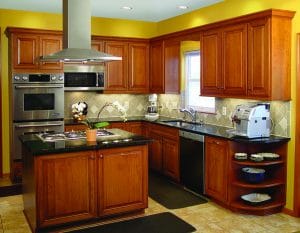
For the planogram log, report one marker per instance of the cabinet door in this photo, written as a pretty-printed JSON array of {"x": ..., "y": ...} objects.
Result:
[
  {"x": 171, "y": 66},
  {"x": 234, "y": 44},
  {"x": 97, "y": 45},
  {"x": 157, "y": 82},
  {"x": 155, "y": 151},
  {"x": 211, "y": 66},
  {"x": 171, "y": 158},
  {"x": 50, "y": 44},
  {"x": 65, "y": 188},
  {"x": 123, "y": 177},
  {"x": 139, "y": 68},
  {"x": 25, "y": 50},
  {"x": 135, "y": 127},
  {"x": 216, "y": 168},
  {"x": 258, "y": 58},
  {"x": 117, "y": 71}
]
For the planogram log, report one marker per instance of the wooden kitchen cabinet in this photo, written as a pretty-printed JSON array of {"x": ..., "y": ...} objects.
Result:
[
  {"x": 131, "y": 74},
  {"x": 75, "y": 127},
  {"x": 240, "y": 60},
  {"x": 216, "y": 168},
  {"x": 66, "y": 188},
  {"x": 69, "y": 187},
  {"x": 123, "y": 180},
  {"x": 27, "y": 45},
  {"x": 164, "y": 150},
  {"x": 165, "y": 66}
]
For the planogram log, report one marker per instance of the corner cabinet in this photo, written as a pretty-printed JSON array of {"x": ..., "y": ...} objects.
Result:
[
  {"x": 248, "y": 56},
  {"x": 69, "y": 187},
  {"x": 224, "y": 181},
  {"x": 165, "y": 66},
  {"x": 27, "y": 45}
]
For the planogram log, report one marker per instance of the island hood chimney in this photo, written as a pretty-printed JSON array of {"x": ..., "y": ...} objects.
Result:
[{"x": 77, "y": 36}]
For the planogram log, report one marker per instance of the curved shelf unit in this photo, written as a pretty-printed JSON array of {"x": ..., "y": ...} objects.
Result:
[
  {"x": 269, "y": 208},
  {"x": 265, "y": 184},
  {"x": 252, "y": 163}
]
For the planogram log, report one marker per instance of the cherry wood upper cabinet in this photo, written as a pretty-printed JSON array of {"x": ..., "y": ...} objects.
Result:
[
  {"x": 157, "y": 84},
  {"x": 253, "y": 60},
  {"x": 26, "y": 45},
  {"x": 165, "y": 67},
  {"x": 234, "y": 59},
  {"x": 117, "y": 71},
  {"x": 131, "y": 74},
  {"x": 211, "y": 64},
  {"x": 138, "y": 80}
]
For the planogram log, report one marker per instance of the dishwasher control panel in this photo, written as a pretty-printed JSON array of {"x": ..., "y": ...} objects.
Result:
[{"x": 192, "y": 136}]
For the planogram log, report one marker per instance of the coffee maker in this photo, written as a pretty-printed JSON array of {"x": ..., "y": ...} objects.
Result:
[{"x": 152, "y": 109}]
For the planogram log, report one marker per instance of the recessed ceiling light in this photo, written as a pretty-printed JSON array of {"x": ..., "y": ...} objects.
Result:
[
  {"x": 126, "y": 8},
  {"x": 182, "y": 7}
]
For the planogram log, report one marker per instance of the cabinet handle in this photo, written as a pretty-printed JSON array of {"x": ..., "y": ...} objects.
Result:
[
  {"x": 101, "y": 156},
  {"x": 218, "y": 143}
]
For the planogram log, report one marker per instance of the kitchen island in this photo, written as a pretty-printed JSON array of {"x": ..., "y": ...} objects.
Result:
[{"x": 68, "y": 181}]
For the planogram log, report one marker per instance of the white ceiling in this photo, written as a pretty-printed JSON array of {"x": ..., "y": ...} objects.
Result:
[{"x": 145, "y": 10}]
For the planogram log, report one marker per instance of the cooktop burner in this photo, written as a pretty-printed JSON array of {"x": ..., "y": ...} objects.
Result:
[{"x": 72, "y": 135}]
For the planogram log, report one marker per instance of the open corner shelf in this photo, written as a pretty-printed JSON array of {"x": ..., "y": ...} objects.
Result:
[{"x": 252, "y": 163}]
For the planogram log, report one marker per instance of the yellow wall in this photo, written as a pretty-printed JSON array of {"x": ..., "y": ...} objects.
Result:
[{"x": 101, "y": 26}]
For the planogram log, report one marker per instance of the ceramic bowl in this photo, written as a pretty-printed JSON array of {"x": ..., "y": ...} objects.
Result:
[
  {"x": 240, "y": 156},
  {"x": 253, "y": 175}
]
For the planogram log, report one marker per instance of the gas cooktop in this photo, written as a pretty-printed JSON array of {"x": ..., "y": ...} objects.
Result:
[{"x": 72, "y": 135}]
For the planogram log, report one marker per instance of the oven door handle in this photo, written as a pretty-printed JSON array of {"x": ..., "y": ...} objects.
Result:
[
  {"x": 38, "y": 86},
  {"x": 37, "y": 125}
]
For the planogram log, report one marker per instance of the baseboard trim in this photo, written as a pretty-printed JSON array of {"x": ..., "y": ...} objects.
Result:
[{"x": 289, "y": 212}]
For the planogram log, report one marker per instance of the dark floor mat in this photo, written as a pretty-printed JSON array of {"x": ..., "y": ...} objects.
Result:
[
  {"x": 157, "y": 223},
  {"x": 171, "y": 195}
]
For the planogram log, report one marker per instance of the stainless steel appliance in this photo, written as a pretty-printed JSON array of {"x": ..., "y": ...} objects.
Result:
[
  {"x": 252, "y": 120},
  {"x": 37, "y": 102},
  {"x": 84, "y": 78},
  {"x": 37, "y": 97},
  {"x": 152, "y": 109},
  {"x": 192, "y": 161}
]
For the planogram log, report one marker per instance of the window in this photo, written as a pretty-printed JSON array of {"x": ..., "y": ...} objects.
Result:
[{"x": 191, "y": 94}]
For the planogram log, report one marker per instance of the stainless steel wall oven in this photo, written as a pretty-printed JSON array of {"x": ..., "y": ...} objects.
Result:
[{"x": 37, "y": 106}]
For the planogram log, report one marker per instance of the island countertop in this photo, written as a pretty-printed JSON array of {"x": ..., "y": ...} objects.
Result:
[{"x": 121, "y": 138}]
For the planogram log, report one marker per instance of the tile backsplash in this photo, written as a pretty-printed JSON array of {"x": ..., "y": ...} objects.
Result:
[{"x": 136, "y": 105}]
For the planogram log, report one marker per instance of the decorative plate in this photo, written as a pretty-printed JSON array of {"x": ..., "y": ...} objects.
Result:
[{"x": 269, "y": 156}]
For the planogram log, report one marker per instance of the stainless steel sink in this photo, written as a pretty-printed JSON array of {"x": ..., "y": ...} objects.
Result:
[{"x": 180, "y": 123}]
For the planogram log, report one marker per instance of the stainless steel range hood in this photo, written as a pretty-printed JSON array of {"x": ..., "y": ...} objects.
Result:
[{"x": 77, "y": 36}]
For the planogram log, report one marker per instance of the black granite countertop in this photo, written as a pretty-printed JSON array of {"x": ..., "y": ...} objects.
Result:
[
  {"x": 121, "y": 139},
  {"x": 204, "y": 129}
]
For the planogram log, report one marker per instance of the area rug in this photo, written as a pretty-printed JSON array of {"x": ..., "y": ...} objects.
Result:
[
  {"x": 157, "y": 223},
  {"x": 171, "y": 195}
]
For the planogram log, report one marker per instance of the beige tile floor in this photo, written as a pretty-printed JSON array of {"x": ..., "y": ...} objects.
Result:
[{"x": 206, "y": 218}]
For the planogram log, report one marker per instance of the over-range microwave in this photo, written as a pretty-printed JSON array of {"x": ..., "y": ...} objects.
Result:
[{"x": 84, "y": 78}]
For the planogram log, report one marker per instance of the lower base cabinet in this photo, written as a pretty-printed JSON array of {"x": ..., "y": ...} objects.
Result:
[
  {"x": 85, "y": 185},
  {"x": 164, "y": 150}
]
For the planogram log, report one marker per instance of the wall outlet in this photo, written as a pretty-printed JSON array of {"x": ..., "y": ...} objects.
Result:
[{"x": 224, "y": 110}]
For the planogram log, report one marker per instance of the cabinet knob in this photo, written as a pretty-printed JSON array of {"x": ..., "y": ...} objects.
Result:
[
  {"x": 216, "y": 142},
  {"x": 92, "y": 157},
  {"x": 101, "y": 156}
]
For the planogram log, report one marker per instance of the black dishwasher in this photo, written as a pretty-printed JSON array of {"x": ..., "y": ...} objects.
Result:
[{"x": 192, "y": 161}]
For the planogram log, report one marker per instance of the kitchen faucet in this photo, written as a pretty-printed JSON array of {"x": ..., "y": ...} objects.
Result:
[
  {"x": 191, "y": 112},
  {"x": 117, "y": 106}
]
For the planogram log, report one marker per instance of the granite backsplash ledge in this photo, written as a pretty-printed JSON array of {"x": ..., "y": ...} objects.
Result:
[{"x": 136, "y": 105}]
